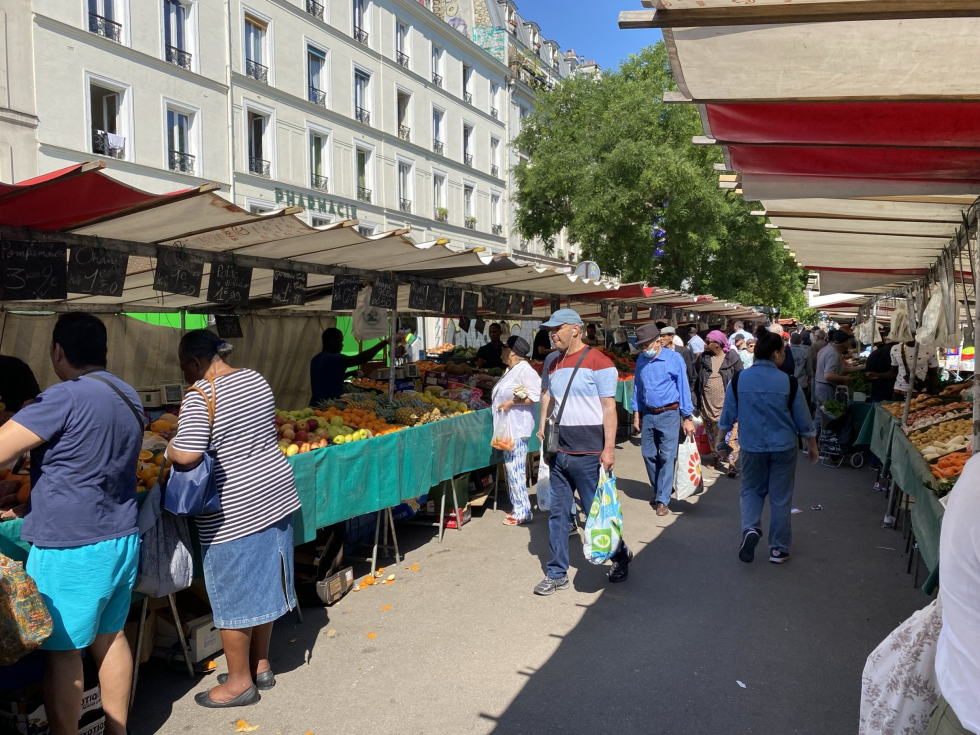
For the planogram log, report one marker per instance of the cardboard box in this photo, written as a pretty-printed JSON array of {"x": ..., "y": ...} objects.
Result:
[
  {"x": 203, "y": 639},
  {"x": 333, "y": 588},
  {"x": 451, "y": 517}
]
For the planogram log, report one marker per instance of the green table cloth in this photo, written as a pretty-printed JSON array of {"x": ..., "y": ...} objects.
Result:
[
  {"x": 624, "y": 395},
  {"x": 911, "y": 472},
  {"x": 860, "y": 412}
]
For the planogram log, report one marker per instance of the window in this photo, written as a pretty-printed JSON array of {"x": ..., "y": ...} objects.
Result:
[
  {"x": 360, "y": 22},
  {"x": 180, "y": 156},
  {"x": 363, "y": 173},
  {"x": 403, "y": 109},
  {"x": 496, "y": 226},
  {"x": 362, "y": 108},
  {"x": 405, "y": 186},
  {"x": 438, "y": 132},
  {"x": 259, "y": 207},
  {"x": 315, "y": 9},
  {"x": 319, "y": 152},
  {"x": 468, "y": 84},
  {"x": 521, "y": 118},
  {"x": 367, "y": 230},
  {"x": 495, "y": 157},
  {"x": 176, "y": 32},
  {"x": 468, "y": 145},
  {"x": 494, "y": 95},
  {"x": 256, "y": 56},
  {"x": 316, "y": 71},
  {"x": 469, "y": 215},
  {"x": 440, "y": 213},
  {"x": 402, "y": 54},
  {"x": 102, "y": 20},
  {"x": 107, "y": 115},
  {"x": 259, "y": 152},
  {"x": 437, "y": 66},
  {"x": 320, "y": 220}
]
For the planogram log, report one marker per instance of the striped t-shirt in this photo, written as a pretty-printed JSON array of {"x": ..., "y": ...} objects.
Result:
[
  {"x": 253, "y": 477},
  {"x": 581, "y": 429}
]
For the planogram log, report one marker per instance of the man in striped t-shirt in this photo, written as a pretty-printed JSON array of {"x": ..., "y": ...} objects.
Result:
[{"x": 587, "y": 437}]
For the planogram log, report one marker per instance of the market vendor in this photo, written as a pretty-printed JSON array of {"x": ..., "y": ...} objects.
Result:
[
  {"x": 18, "y": 386},
  {"x": 490, "y": 356},
  {"x": 542, "y": 345},
  {"x": 591, "y": 338},
  {"x": 328, "y": 370},
  {"x": 880, "y": 372},
  {"x": 926, "y": 368}
]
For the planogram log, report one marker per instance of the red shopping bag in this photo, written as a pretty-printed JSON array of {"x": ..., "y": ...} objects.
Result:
[{"x": 701, "y": 439}]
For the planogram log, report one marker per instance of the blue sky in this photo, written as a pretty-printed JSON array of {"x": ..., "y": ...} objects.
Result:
[{"x": 588, "y": 26}]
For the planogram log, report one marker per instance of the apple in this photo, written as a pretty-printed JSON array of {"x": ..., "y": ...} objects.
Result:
[
  {"x": 322, "y": 433},
  {"x": 322, "y": 422},
  {"x": 304, "y": 447},
  {"x": 312, "y": 424},
  {"x": 302, "y": 436},
  {"x": 337, "y": 421},
  {"x": 288, "y": 433},
  {"x": 291, "y": 450},
  {"x": 280, "y": 420},
  {"x": 340, "y": 439}
]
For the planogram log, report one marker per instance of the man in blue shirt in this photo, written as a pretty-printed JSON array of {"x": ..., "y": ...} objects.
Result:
[
  {"x": 695, "y": 344},
  {"x": 328, "y": 369},
  {"x": 661, "y": 397}
]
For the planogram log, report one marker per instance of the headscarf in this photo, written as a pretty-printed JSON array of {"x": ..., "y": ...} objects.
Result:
[
  {"x": 519, "y": 346},
  {"x": 720, "y": 338}
]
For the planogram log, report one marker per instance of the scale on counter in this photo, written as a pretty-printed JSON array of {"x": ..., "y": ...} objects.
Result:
[{"x": 171, "y": 393}]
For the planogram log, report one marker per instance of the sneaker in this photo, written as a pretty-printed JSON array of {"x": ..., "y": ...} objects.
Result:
[
  {"x": 750, "y": 538},
  {"x": 778, "y": 557},
  {"x": 573, "y": 529},
  {"x": 549, "y": 586},
  {"x": 621, "y": 569}
]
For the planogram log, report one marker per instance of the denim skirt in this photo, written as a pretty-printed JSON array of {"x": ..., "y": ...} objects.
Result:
[{"x": 250, "y": 580}]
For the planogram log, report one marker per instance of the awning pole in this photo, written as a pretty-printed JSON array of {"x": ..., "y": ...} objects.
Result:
[
  {"x": 183, "y": 322},
  {"x": 391, "y": 356},
  {"x": 913, "y": 368}
]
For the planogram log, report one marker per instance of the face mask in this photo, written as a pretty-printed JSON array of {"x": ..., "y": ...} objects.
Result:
[{"x": 652, "y": 352}]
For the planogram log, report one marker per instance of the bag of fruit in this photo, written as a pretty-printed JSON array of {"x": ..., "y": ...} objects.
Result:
[{"x": 503, "y": 434}]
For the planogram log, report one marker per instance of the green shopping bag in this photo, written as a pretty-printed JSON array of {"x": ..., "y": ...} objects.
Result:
[{"x": 604, "y": 529}]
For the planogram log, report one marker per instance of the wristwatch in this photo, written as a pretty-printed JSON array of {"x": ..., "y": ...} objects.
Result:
[{"x": 689, "y": 417}]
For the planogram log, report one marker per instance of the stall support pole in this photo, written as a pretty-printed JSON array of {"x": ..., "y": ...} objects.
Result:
[
  {"x": 183, "y": 322},
  {"x": 913, "y": 369},
  {"x": 391, "y": 355},
  {"x": 976, "y": 328}
]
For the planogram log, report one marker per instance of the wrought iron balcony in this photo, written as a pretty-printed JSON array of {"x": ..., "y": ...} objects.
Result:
[
  {"x": 437, "y": 80},
  {"x": 102, "y": 145},
  {"x": 405, "y": 133},
  {"x": 494, "y": 113},
  {"x": 441, "y": 215},
  {"x": 256, "y": 71},
  {"x": 438, "y": 147},
  {"x": 468, "y": 98},
  {"x": 181, "y": 162},
  {"x": 320, "y": 183},
  {"x": 495, "y": 171},
  {"x": 362, "y": 115},
  {"x": 405, "y": 205},
  {"x": 497, "y": 229},
  {"x": 468, "y": 160},
  {"x": 314, "y": 9},
  {"x": 318, "y": 97},
  {"x": 360, "y": 35},
  {"x": 105, "y": 27},
  {"x": 259, "y": 167},
  {"x": 470, "y": 223},
  {"x": 363, "y": 195},
  {"x": 402, "y": 59},
  {"x": 179, "y": 57}
]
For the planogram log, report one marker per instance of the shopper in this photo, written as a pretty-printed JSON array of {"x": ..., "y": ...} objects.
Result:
[
  {"x": 802, "y": 371},
  {"x": 695, "y": 343},
  {"x": 542, "y": 345},
  {"x": 830, "y": 372},
  {"x": 85, "y": 436},
  {"x": 18, "y": 386},
  {"x": 958, "y": 649},
  {"x": 747, "y": 353},
  {"x": 661, "y": 400},
  {"x": 713, "y": 371},
  {"x": 248, "y": 545},
  {"x": 880, "y": 372},
  {"x": 328, "y": 369},
  {"x": 514, "y": 397},
  {"x": 789, "y": 364},
  {"x": 772, "y": 412},
  {"x": 587, "y": 438},
  {"x": 739, "y": 332},
  {"x": 819, "y": 342},
  {"x": 490, "y": 355}
]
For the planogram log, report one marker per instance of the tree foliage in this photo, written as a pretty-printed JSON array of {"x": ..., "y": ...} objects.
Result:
[{"x": 606, "y": 158}]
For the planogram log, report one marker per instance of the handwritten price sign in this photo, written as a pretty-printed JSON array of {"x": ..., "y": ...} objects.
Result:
[
  {"x": 33, "y": 271},
  {"x": 178, "y": 272}
]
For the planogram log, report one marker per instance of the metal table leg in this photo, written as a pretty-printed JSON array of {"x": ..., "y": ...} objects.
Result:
[
  {"x": 137, "y": 655},
  {"x": 180, "y": 636}
]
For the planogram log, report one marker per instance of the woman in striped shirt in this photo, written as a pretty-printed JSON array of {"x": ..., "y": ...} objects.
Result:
[{"x": 248, "y": 544}]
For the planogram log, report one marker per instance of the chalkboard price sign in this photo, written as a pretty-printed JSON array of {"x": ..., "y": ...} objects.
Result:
[
  {"x": 471, "y": 304},
  {"x": 555, "y": 304},
  {"x": 288, "y": 288},
  {"x": 604, "y": 310},
  {"x": 96, "y": 271},
  {"x": 503, "y": 303},
  {"x": 229, "y": 284},
  {"x": 229, "y": 326},
  {"x": 480, "y": 325},
  {"x": 464, "y": 324},
  {"x": 384, "y": 293},
  {"x": 434, "y": 298},
  {"x": 528, "y": 307},
  {"x": 416, "y": 296},
  {"x": 515, "y": 304},
  {"x": 178, "y": 272},
  {"x": 345, "y": 289},
  {"x": 33, "y": 271},
  {"x": 454, "y": 301}
]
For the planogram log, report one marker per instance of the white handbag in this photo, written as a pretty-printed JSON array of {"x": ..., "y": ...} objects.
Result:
[{"x": 687, "y": 476}]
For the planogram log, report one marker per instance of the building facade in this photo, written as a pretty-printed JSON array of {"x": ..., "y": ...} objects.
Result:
[{"x": 398, "y": 113}]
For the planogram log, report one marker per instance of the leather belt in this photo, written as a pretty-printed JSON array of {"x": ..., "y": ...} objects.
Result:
[{"x": 664, "y": 409}]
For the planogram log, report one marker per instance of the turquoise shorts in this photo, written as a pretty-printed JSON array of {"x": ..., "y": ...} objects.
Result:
[{"x": 87, "y": 589}]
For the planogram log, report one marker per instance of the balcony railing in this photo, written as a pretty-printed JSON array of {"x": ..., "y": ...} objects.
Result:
[
  {"x": 256, "y": 71},
  {"x": 405, "y": 205},
  {"x": 494, "y": 113},
  {"x": 259, "y": 167},
  {"x": 438, "y": 146},
  {"x": 318, "y": 97},
  {"x": 178, "y": 57},
  {"x": 320, "y": 183},
  {"x": 470, "y": 223},
  {"x": 497, "y": 229},
  {"x": 181, "y": 162},
  {"x": 495, "y": 171},
  {"x": 363, "y": 195},
  {"x": 314, "y": 9},
  {"x": 106, "y": 144},
  {"x": 402, "y": 59},
  {"x": 468, "y": 98},
  {"x": 105, "y": 27},
  {"x": 440, "y": 216},
  {"x": 437, "y": 80},
  {"x": 468, "y": 160},
  {"x": 405, "y": 133},
  {"x": 360, "y": 35},
  {"x": 362, "y": 115}
]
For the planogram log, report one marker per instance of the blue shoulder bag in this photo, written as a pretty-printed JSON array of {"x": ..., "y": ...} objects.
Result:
[{"x": 194, "y": 492}]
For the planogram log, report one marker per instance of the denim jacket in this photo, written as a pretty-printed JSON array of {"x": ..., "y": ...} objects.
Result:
[{"x": 765, "y": 423}]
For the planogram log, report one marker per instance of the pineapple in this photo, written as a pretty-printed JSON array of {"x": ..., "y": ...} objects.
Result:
[{"x": 406, "y": 416}]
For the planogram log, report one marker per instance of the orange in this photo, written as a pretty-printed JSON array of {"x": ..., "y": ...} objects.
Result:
[
  {"x": 159, "y": 459},
  {"x": 146, "y": 455}
]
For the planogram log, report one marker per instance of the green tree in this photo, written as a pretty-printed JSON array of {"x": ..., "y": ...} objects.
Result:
[{"x": 606, "y": 159}]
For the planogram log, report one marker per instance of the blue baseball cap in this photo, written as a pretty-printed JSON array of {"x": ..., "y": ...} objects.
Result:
[{"x": 563, "y": 316}]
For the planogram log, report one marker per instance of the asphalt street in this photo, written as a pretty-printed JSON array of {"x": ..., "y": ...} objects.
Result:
[{"x": 694, "y": 642}]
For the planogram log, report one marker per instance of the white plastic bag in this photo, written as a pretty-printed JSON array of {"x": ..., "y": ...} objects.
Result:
[
  {"x": 368, "y": 322},
  {"x": 543, "y": 488},
  {"x": 166, "y": 563},
  {"x": 687, "y": 476}
]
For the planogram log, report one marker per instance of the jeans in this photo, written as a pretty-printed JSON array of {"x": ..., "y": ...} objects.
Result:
[
  {"x": 772, "y": 474},
  {"x": 571, "y": 472},
  {"x": 658, "y": 440}
]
